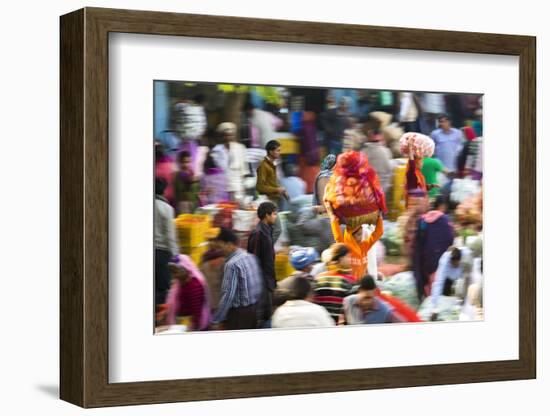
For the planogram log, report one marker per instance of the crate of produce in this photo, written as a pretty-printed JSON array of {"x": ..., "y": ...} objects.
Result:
[
  {"x": 195, "y": 252},
  {"x": 283, "y": 268},
  {"x": 192, "y": 228}
]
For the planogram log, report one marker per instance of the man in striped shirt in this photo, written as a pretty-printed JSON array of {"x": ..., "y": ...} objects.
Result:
[
  {"x": 332, "y": 286},
  {"x": 241, "y": 285}
]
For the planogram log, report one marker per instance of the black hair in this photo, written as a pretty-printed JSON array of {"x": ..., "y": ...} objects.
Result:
[
  {"x": 159, "y": 151},
  {"x": 160, "y": 185},
  {"x": 199, "y": 98},
  {"x": 209, "y": 163},
  {"x": 341, "y": 251},
  {"x": 227, "y": 236},
  {"x": 443, "y": 115},
  {"x": 439, "y": 200},
  {"x": 367, "y": 282},
  {"x": 182, "y": 155},
  {"x": 248, "y": 106},
  {"x": 265, "y": 209},
  {"x": 300, "y": 288},
  {"x": 272, "y": 145},
  {"x": 456, "y": 254}
]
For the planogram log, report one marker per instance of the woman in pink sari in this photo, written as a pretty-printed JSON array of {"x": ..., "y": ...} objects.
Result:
[{"x": 188, "y": 295}]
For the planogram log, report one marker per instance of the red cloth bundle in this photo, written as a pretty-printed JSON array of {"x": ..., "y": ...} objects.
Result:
[{"x": 354, "y": 190}]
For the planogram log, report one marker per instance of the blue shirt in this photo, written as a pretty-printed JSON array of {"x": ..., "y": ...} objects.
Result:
[
  {"x": 448, "y": 146},
  {"x": 241, "y": 284},
  {"x": 294, "y": 186},
  {"x": 380, "y": 313}
]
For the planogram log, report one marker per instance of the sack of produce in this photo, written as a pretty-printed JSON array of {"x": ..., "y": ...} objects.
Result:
[
  {"x": 448, "y": 307},
  {"x": 422, "y": 145},
  {"x": 402, "y": 286},
  {"x": 354, "y": 190}
]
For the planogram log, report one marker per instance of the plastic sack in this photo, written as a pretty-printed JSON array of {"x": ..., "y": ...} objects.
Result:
[
  {"x": 423, "y": 146},
  {"x": 402, "y": 286}
]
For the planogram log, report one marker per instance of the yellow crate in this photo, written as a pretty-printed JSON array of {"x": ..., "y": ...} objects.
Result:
[
  {"x": 398, "y": 195},
  {"x": 192, "y": 228},
  {"x": 283, "y": 268},
  {"x": 195, "y": 252}
]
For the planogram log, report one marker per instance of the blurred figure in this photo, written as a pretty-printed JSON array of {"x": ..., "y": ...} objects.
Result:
[
  {"x": 293, "y": 184},
  {"x": 211, "y": 267},
  {"x": 358, "y": 244},
  {"x": 188, "y": 296},
  {"x": 322, "y": 179},
  {"x": 469, "y": 151},
  {"x": 261, "y": 244},
  {"x": 213, "y": 183},
  {"x": 166, "y": 246},
  {"x": 334, "y": 121},
  {"x": 409, "y": 111},
  {"x": 433, "y": 104},
  {"x": 300, "y": 311},
  {"x": 431, "y": 167},
  {"x": 241, "y": 285},
  {"x": 302, "y": 259},
  {"x": 448, "y": 143},
  {"x": 332, "y": 286},
  {"x": 378, "y": 154},
  {"x": 230, "y": 156},
  {"x": 367, "y": 308},
  {"x": 453, "y": 265},
  {"x": 434, "y": 235},
  {"x": 312, "y": 223},
  {"x": 165, "y": 168},
  {"x": 263, "y": 125},
  {"x": 186, "y": 185}
]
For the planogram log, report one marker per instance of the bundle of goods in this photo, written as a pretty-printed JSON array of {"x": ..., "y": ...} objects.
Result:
[
  {"x": 244, "y": 220},
  {"x": 403, "y": 287},
  {"x": 470, "y": 210},
  {"x": 448, "y": 308},
  {"x": 462, "y": 189},
  {"x": 224, "y": 217},
  {"x": 392, "y": 239},
  {"x": 420, "y": 144},
  {"x": 191, "y": 229},
  {"x": 354, "y": 190}
]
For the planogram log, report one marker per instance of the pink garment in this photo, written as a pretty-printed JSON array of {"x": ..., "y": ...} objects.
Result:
[
  {"x": 432, "y": 216},
  {"x": 172, "y": 297},
  {"x": 165, "y": 168}
]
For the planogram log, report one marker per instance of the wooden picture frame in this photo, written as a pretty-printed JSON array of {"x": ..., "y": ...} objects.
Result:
[{"x": 84, "y": 207}]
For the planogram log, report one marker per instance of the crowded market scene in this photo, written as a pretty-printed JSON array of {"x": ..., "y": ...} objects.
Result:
[{"x": 307, "y": 207}]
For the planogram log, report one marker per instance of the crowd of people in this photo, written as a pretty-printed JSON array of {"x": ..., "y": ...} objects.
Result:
[{"x": 341, "y": 273}]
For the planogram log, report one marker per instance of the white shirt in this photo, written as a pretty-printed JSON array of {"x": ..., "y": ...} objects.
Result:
[
  {"x": 165, "y": 229},
  {"x": 301, "y": 314},
  {"x": 233, "y": 162}
]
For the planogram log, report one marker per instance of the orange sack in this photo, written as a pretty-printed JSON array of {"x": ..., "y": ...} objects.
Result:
[{"x": 354, "y": 190}]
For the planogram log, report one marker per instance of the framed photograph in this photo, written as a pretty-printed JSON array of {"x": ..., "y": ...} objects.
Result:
[{"x": 197, "y": 154}]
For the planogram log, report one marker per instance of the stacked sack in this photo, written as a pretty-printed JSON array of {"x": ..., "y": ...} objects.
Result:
[
  {"x": 422, "y": 145},
  {"x": 354, "y": 190}
]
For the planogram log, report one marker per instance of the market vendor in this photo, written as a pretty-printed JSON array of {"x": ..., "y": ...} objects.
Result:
[{"x": 353, "y": 239}]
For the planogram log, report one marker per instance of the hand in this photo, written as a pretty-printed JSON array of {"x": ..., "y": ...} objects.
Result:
[
  {"x": 434, "y": 317},
  {"x": 281, "y": 190},
  {"x": 329, "y": 209}
]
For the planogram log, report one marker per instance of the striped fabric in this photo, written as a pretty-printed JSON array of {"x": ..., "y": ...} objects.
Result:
[
  {"x": 330, "y": 289},
  {"x": 241, "y": 285}
]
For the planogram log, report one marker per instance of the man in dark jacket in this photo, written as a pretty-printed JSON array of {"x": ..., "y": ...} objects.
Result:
[{"x": 260, "y": 243}]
